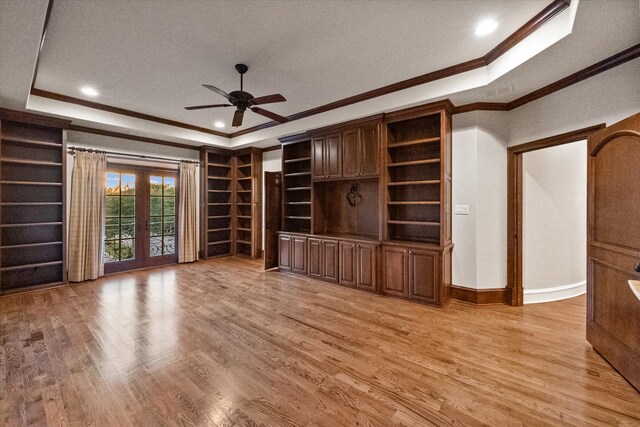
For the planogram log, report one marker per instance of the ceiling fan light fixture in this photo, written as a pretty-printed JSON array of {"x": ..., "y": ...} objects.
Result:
[{"x": 486, "y": 26}]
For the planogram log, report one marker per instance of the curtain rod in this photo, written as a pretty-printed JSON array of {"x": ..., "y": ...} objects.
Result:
[{"x": 114, "y": 154}]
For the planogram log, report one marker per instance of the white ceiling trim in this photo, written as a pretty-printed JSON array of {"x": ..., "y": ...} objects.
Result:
[{"x": 549, "y": 34}]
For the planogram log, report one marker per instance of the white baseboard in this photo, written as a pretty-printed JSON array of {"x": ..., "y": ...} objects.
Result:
[{"x": 532, "y": 296}]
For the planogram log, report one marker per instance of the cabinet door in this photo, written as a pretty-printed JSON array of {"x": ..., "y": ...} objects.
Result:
[
  {"x": 348, "y": 264},
  {"x": 367, "y": 267},
  {"x": 369, "y": 147},
  {"x": 315, "y": 258},
  {"x": 318, "y": 153},
  {"x": 423, "y": 276},
  {"x": 394, "y": 263},
  {"x": 333, "y": 156},
  {"x": 284, "y": 252},
  {"x": 299, "y": 255},
  {"x": 330, "y": 257},
  {"x": 350, "y": 153}
]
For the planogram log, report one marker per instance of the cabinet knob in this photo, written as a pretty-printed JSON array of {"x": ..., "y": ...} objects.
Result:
[{"x": 637, "y": 267}]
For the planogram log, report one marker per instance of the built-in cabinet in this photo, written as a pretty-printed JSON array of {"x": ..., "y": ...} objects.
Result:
[
  {"x": 377, "y": 204},
  {"x": 327, "y": 156},
  {"x": 33, "y": 235},
  {"x": 231, "y": 202}
]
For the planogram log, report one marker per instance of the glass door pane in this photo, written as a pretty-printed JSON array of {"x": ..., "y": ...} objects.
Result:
[
  {"x": 162, "y": 221},
  {"x": 120, "y": 224}
]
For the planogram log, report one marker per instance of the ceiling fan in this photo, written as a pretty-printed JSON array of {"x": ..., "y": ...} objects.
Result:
[{"x": 243, "y": 100}]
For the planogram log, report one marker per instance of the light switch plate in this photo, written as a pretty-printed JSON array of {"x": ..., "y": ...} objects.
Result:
[{"x": 462, "y": 210}]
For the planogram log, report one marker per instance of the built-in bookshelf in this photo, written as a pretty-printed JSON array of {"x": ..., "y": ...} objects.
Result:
[
  {"x": 32, "y": 192},
  {"x": 217, "y": 184},
  {"x": 415, "y": 178},
  {"x": 231, "y": 202},
  {"x": 296, "y": 174},
  {"x": 248, "y": 203}
]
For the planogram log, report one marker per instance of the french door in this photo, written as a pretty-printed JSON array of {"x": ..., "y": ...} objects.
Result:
[{"x": 140, "y": 227}]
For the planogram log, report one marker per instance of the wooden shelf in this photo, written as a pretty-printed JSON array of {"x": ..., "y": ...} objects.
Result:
[
  {"x": 243, "y": 204},
  {"x": 25, "y": 266},
  {"x": 413, "y": 142},
  {"x": 218, "y": 229},
  {"x": 243, "y": 229},
  {"x": 31, "y": 141},
  {"x": 301, "y": 159},
  {"x": 298, "y": 188},
  {"x": 297, "y": 174},
  {"x": 298, "y": 217},
  {"x": 219, "y": 178},
  {"x": 30, "y": 162},
  {"x": 244, "y": 216},
  {"x": 413, "y": 163},
  {"x": 297, "y": 203},
  {"x": 219, "y": 191},
  {"x": 406, "y": 222},
  {"x": 427, "y": 182},
  {"x": 29, "y": 224},
  {"x": 218, "y": 216},
  {"x": 245, "y": 242},
  {"x": 415, "y": 203},
  {"x": 248, "y": 165},
  {"x": 31, "y": 204},
  {"x": 49, "y": 184},
  {"x": 244, "y": 179},
  {"x": 219, "y": 165},
  {"x": 220, "y": 242},
  {"x": 218, "y": 204},
  {"x": 30, "y": 245}
]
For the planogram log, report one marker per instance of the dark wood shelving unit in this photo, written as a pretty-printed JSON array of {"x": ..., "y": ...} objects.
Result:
[
  {"x": 32, "y": 194},
  {"x": 297, "y": 200},
  {"x": 367, "y": 204},
  {"x": 216, "y": 203},
  {"x": 248, "y": 202}
]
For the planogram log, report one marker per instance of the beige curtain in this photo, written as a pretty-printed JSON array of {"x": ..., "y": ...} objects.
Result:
[
  {"x": 187, "y": 213},
  {"x": 86, "y": 217}
]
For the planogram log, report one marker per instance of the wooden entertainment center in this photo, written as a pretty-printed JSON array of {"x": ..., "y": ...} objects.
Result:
[{"x": 367, "y": 204}]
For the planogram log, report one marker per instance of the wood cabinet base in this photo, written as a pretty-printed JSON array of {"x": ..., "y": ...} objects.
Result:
[{"x": 415, "y": 272}]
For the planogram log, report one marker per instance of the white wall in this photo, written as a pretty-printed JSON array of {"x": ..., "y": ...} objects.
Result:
[
  {"x": 554, "y": 212},
  {"x": 271, "y": 162},
  {"x": 480, "y": 175}
]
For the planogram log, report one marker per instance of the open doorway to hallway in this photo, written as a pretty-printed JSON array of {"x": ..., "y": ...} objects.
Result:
[{"x": 554, "y": 222}]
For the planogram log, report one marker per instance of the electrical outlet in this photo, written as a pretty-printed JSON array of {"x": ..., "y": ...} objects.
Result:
[{"x": 462, "y": 210}]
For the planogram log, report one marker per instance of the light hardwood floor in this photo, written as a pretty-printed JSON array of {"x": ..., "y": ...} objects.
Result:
[{"x": 223, "y": 343}]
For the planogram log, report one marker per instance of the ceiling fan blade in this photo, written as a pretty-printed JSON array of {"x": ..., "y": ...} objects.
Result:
[
  {"x": 269, "y": 99},
  {"x": 200, "y": 107},
  {"x": 237, "y": 118},
  {"x": 220, "y": 92},
  {"x": 269, "y": 114}
]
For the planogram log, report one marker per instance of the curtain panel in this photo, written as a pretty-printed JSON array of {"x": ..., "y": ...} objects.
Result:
[
  {"x": 86, "y": 216},
  {"x": 187, "y": 213}
]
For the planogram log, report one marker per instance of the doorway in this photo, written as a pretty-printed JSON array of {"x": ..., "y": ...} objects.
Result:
[
  {"x": 514, "y": 289},
  {"x": 554, "y": 220},
  {"x": 272, "y": 217},
  {"x": 140, "y": 225}
]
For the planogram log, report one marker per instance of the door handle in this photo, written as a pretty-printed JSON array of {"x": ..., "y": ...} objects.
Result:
[{"x": 637, "y": 267}]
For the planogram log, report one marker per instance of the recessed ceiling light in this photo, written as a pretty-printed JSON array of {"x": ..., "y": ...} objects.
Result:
[
  {"x": 88, "y": 90},
  {"x": 218, "y": 124},
  {"x": 485, "y": 27}
]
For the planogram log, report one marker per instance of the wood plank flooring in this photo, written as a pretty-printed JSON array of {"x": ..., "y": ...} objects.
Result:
[{"x": 223, "y": 343}]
